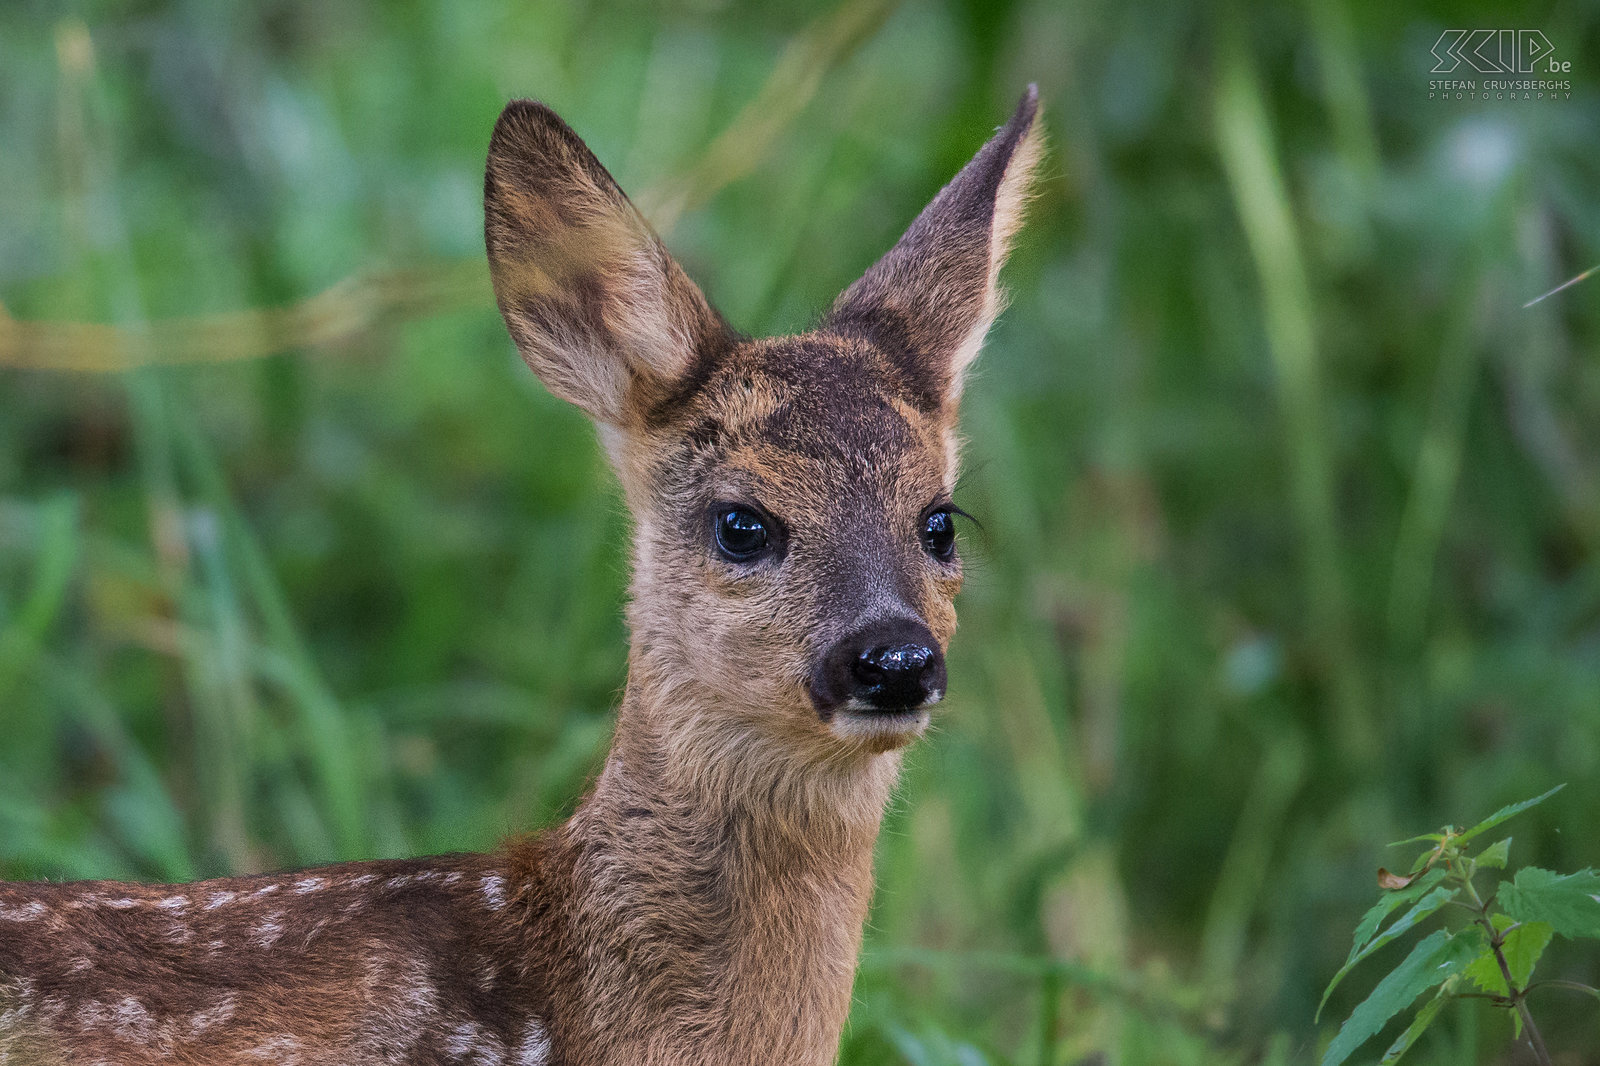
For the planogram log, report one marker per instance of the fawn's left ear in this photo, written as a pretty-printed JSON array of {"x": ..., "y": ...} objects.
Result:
[
  {"x": 598, "y": 309},
  {"x": 930, "y": 300}
]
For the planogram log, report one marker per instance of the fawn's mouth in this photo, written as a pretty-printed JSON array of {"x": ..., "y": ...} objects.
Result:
[{"x": 881, "y": 727}]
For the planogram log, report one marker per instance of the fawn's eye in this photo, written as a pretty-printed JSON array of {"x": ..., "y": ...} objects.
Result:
[
  {"x": 741, "y": 534},
  {"x": 939, "y": 534}
]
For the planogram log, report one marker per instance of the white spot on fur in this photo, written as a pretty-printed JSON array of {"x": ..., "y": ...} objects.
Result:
[
  {"x": 409, "y": 1004},
  {"x": 423, "y": 998},
  {"x": 93, "y": 1015},
  {"x": 221, "y": 1012},
  {"x": 314, "y": 932},
  {"x": 283, "y": 1049},
  {"x": 217, "y": 899},
  {"x": 400, "y": 881},
  {"x": 264, "y": 890},
  {"x": 494, "y": 891},
  {"x": 364, "y": 879},
  {"x": 452, "y": 877},
  {"x": 50, "y": 1008},
  {"x": 461, "y": 1039},
  {"x": 25, "y": 913},
  {"x": 309, "y": 885},
  {"x": 467, "y": 1040},
  {"x": 266, "y": 934},
  {"x": 173, "y": 903},
  {"x": 535, "y": 1047},
  {"x": 80, "y": 963},
  {"x": 122, "y": 904},
  {"x": 130, "y": 1021},
  {"x": 20, "y": 992}
]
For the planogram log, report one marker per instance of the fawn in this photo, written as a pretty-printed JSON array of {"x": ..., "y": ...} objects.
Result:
[{"x": 794, "y": 566}]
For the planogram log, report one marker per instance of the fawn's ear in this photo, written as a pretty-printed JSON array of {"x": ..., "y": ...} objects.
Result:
[
  {"x": 598, "y": 309},
  {"x": 930, "y": 300}
]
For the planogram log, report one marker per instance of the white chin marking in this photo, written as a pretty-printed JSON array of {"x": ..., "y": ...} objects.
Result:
[{"x": 858, "y": 720}]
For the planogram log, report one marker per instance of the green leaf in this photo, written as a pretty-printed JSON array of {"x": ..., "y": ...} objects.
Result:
[
  {"x": 1431, "y": 838},
  {"x": 1495, "y": 856},
  {"x": 1484, "y": 972},
  {"x": 1436, "y": 958},
  {"x": 1424, "y": 907},
  {"x": 1567, "y": 901},
  {"x": 1505, "y": 812},
  {"x": 1522, "y": 948},
  {"x": 1388, "y": 903},
  {"x": 1418, "y": 1026}
]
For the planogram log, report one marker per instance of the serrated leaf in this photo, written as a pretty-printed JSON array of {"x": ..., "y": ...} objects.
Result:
[
  {"x": 1418, "y": 1026},
  {"x": 1431, "y": 838},
  {"x": 1423, "y": 908},
  {"x": 1567, "y": 901},
  {"x": 1484, "y": 972},
  {"x": 1522, "y": 948},
  {"x": 1436, "y": 958},
  {"x": 1387, "y": 904},
  {"x": 1495, "y": 856},
  {"x": 1503, "y": 813}
]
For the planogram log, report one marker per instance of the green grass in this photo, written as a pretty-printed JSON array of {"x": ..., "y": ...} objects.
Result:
[{"x": 1292, "y": 511}]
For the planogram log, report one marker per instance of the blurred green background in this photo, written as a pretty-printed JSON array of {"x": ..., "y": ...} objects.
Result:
[{"x": 1291, "y": 509}]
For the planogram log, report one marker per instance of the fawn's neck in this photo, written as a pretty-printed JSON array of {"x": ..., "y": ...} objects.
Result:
[{"x": 721, "y": 886}]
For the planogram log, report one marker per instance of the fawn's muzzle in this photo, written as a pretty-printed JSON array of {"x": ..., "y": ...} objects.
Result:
[{"x": 888, "y": 666}]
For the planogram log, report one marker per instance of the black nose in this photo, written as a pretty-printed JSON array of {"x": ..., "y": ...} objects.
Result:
[
  {"x": 890, "y": 666},
  {"x": 894, "y": 675}
]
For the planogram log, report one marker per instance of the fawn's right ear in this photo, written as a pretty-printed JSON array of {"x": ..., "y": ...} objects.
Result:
[
  {"x": 929, "y": 301},
  {"x": 598, "y": 309}
]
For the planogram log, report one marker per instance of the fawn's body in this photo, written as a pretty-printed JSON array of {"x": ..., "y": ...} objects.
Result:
[{"x": 793, "y": 579}]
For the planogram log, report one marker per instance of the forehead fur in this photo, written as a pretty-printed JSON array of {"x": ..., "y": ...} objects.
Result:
[{"x": 817, "y": 402}]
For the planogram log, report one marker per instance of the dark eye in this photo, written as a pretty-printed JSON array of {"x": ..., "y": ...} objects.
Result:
[
  {"x": 939, "y": 534},
  {"x": 741, "y": 534}
]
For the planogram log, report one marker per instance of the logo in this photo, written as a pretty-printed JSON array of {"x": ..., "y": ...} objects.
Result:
[
  {"x": 1519, "y": 64},
  {"x": 1497, "y": 52}
]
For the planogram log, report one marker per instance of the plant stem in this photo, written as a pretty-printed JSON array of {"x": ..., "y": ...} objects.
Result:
[
  {"x": 1518, "y": 996},
  {"x": 1571, "y": 986}
]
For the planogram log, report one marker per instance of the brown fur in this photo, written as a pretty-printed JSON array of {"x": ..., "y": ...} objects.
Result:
[{"x": 705, "y": 903}]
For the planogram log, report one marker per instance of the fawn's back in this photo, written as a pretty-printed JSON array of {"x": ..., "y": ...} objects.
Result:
[{"x": 394, "y": 961}]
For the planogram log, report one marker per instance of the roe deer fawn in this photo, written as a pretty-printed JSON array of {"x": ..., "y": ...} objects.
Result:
[{"x": 794, "y": 567}]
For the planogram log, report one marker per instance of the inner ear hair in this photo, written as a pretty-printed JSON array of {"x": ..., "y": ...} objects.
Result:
[
  {"x": 595, "y": 303},
  {"x": 929, "y": 302}
]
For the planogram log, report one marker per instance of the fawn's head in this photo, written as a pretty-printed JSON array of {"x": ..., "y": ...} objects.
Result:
[{"x": 794, "y": 556}]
